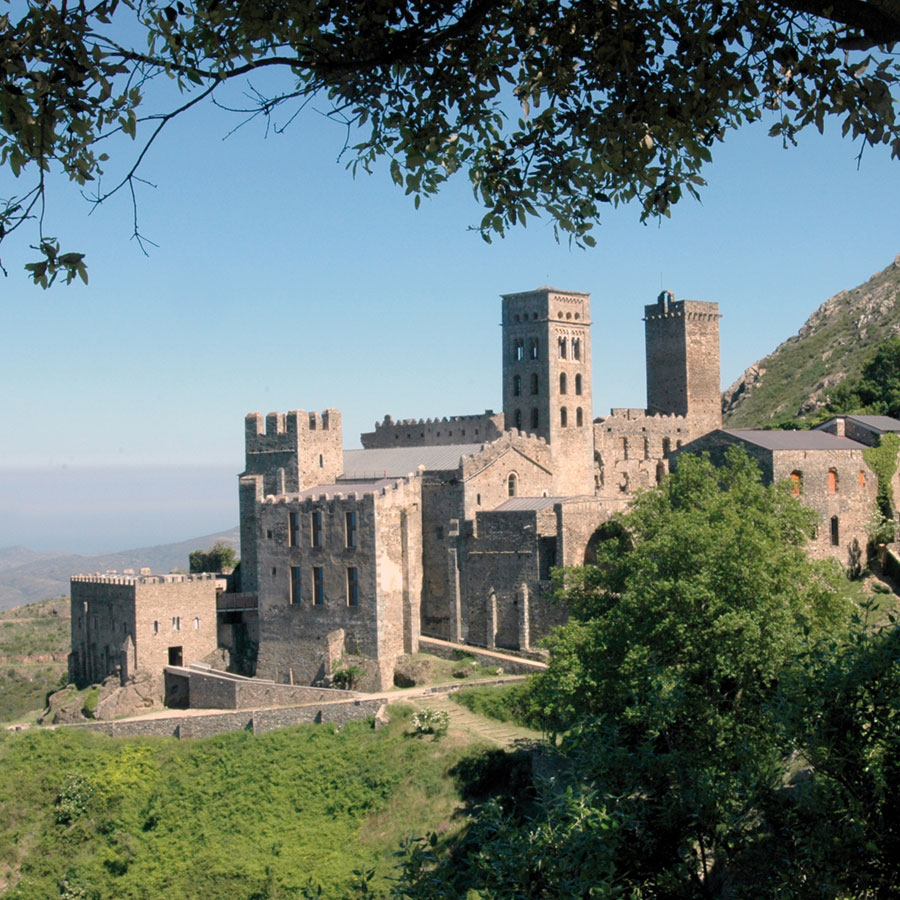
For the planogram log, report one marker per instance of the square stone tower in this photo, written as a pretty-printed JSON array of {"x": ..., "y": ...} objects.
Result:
[
  {"x": 682, "y": 340},
  {"x": 547, "y": 378}
]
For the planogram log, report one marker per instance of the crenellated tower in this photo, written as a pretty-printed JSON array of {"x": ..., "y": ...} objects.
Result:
[
  {"x": 682, "y": 340},
  {"x": 287, "y": 454},
  {"x": 547, "y": 389}
]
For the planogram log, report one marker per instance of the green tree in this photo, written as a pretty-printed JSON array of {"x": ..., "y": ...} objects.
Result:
[
  {"x": 878, "y": 389},
  {"x": 218, "y": 558},
  {"x": 548, "y": 108},
  {"x": 663, "y": 690}
]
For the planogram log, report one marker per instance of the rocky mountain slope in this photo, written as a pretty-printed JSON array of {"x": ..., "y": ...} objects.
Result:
[
  {"x": 27, "y": 576},
  {"x": 835, "y": 343}
]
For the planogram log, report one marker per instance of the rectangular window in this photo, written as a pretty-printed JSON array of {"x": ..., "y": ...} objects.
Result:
[
  {"x": 835, "y": 532},
  {"x": 576, "y": 348},
  {"x": 294, "y": 529},
  {"x": 295, "y": 584},
  {"x": 316, "y": 528},
  {"x": 352, "y": 586},
  {"x": 318, "y": 586},
  {"x": 350, "y": 528}
]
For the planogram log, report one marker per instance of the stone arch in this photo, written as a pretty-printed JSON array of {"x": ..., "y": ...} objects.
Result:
[{"x": 608, "y": 531}]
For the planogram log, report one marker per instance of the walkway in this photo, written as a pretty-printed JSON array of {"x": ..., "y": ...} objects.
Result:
[{"x": 505, "y": 734}]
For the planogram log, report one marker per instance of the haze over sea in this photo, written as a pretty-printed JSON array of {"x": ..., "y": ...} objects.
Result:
[{"x": 83, "y": 510}]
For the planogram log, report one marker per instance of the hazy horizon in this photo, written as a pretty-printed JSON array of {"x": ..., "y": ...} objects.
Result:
[{"x": 94, "y": 510}]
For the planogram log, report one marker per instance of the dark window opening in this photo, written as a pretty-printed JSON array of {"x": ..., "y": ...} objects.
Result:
[
  {"x": 176, "y": 657},
  {"x": 535, "y": 418},
  {"x": 835, "y": 532},
  {"x": 517, "y": 385},
  {"x": 563, "y": 417},
  {"x": 546, "y": 557},
  {"x": 534, "y": 384},
  {"x": 578, "y": 385},
  {"x": 350, "y": 527},
  {"x": 318, "y": 586},
  {"x": 533, "y": 348},
  {"x": 579, "y": 417},
  {"x": 561, "y": 348},
  {"x": 576, "y": 348},
  {"x": 562, "y": 382},
  {"x": 316, "y": 524},
  {"x": 295, "y": 584},
  {"x": 518, "y": 350},
  {"x": 511, "y": 484},
  {"x": 352, "y": 586},
  {"x": 293, "y": 528}
]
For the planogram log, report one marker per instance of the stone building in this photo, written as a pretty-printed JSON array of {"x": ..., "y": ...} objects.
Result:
[
  {"x": 122, "y": 623},
  {"x": 827, "y": 471},
  {"x": 449, "y": 527}
]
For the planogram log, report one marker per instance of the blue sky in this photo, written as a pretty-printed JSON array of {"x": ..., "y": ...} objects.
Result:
[{"x": 281, "y": 282}]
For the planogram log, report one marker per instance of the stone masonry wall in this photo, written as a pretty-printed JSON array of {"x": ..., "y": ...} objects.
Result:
[
  {"x": 126, "y": 622},
  {"x": 432, "y": 432},
  {"x": 302, "y": 631}
]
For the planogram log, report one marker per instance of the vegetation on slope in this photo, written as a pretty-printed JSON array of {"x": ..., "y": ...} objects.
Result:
[
  {"x": 834, "y": 345},
  {"x": 234, "y": 817},
  {"x": 34, "y": 647}
]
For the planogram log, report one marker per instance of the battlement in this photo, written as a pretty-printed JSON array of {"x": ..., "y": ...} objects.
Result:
[
  {"x": 282, "y": 430},
  {"x": 112, "y": 578},
  {"x": 479, "y": 427},
  {"x": 667, "y": 307}
]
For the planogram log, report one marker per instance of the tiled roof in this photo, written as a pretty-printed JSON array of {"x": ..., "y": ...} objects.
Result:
[
  {"x": 394, "y": 461},
  {"x": 794, "y": 440}
]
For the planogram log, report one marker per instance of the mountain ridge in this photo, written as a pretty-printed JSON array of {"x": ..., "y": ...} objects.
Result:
[
  {"x": 45, "y": 574},
  {"x": 834, "y": 343}
]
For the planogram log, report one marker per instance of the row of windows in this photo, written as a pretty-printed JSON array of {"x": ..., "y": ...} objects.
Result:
[
  {"x": 176, "y": 624},
  {"x": 627, "y": 447},
  {"x": 534, "y": 315},
  {"x": 831, "y": 482},
  {"x": 318, "y": 585},
  {"x": 536, "y": 418},
  {"x": 535, "y": 384},
  {"x": 317, "y": 529}
]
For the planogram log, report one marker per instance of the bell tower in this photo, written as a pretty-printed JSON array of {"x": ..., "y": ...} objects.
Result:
[{"x": 547, "y": 379}]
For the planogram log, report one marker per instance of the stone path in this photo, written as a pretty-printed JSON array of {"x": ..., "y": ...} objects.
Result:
[{"x": 506, "y": 734}]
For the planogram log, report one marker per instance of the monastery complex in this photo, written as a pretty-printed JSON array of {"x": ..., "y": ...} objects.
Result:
[{"x": 449, "y": 528}]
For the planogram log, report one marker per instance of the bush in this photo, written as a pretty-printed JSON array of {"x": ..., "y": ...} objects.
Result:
[
  {"x": 506, "y": 703},
  {"x": 90, "y": 702},
  {"x": 347, "y": 677},
  {"x": 430, "y": 721}
]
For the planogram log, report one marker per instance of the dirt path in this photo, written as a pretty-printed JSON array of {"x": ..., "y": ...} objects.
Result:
[{"x": 506, "y": 734}]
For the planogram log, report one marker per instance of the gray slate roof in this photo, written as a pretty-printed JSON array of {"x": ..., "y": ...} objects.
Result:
[
  {"x": 394, "y": 461},
  {"x": 346, "y": 488},
  {"x": 794, "y": 440},
  {"x": 877, "y": 423},
  {"x": 524, "y": 504}
]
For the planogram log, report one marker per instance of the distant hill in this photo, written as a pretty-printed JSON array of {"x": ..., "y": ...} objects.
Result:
[
  {"x": 27, "y": 576},
  {"x": 835, "y": 343}
]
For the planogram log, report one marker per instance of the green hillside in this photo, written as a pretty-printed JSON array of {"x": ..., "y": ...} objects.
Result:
[
  {"x": 34, "y": 648},
  {"x": 835, "y": 343},
  {"x": 233, "y": 817}
]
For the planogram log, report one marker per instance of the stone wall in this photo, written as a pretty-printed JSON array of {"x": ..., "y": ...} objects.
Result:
[
  {"x": 682, "y": 346},
  {"x": 305, "y": 629},
  {"x": 257, "y": 720},
  {"x": 221, "y": 690},
  {"x": 474, "y": 429},
  {"x": 121, "y": 623}
]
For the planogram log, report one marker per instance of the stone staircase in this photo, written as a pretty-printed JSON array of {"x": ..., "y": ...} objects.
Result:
[{"x": 505, "y": 734}]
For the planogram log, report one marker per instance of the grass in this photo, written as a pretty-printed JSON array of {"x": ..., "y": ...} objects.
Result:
[
  {"x": 34, "y": 645},
  {"x": 505, "y": 703},
  {"x": 234, "y": 816}
]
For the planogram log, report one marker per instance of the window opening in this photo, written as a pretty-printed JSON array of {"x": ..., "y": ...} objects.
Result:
[
  {"x": 517, "y": 419},
  {"x": 563, "y": 417},
  {"x": 561, "y": 348},
  {"x": 835, "y": 532},
  {"x": 196, "y": 623},
  {"x": 517, "y": 385},
  {"x": 534, "y": 417},
  {"x": 832, "y": 481},
  {"x": 511, "y": 484},
  {"x": 518, "y": 350},
  {"x": 667, "y": 447},
  {"x": 562, "y": 382},
  {"x": 576, "y": 348},
  {"x": 578, "y": 385},
  {"x": 352, "y": 586},
  {"x": 295, "y": 584},
  {"x": 318, "y": 586},
  {"x": 350, "y": 528},
  {"x": 532, "y": 348},
  {"x": 293, "y": 529},
  {"x": 316, "y": 523},
  {"x": 534, "y": 383},
  {"x": 796, "y": 482},
  {"x": 579, "y": 417}
]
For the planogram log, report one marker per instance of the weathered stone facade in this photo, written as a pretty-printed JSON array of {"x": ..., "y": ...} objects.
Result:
[
  {"x": 122, "y": 623},
  {"x": 826, "y": 471},
  {"x": 449, "y": 528}
]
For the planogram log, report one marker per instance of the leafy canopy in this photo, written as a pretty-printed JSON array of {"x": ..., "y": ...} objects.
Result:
[
  {"x": 664, "y": 683},
  {"x": 548, "y": 108},
  {"x": 218, "y": 558}
]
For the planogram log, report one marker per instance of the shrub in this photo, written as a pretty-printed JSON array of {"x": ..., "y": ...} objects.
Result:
[
  {"x": 90, "y": 702},
  {"x": 430, "y": 721},
  {"x": 347, "y": 677}
]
